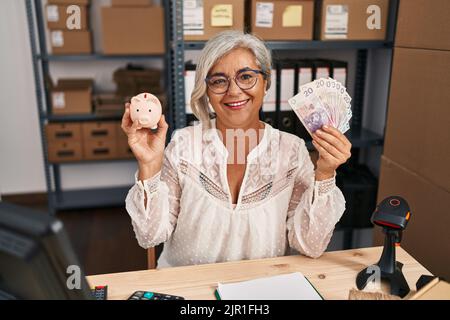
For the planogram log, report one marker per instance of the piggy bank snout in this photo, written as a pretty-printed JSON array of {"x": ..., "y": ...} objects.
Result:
[
  {"x": 149, "y": 117},
  {"x": 144, "y": 119}
]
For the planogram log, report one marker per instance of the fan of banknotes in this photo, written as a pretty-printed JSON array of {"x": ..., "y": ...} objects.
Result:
[{"x": 323, "y": 102}]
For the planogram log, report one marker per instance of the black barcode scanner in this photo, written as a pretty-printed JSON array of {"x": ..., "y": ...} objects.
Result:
[{"x": 392, "y": 214}]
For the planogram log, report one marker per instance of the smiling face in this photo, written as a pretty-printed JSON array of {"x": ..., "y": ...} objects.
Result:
[{"x": 237, "y": 108}]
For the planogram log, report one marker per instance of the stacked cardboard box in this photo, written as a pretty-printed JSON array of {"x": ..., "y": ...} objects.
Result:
[
  {"x": 133, "y": 27},
  {"x": 282, "y": 20},
  {"x": 99, "y": 140},
  {"x": 203, "y": 19},
  {"x": 64, "y": 142},
  {"x": 131, "y": 3},
  {"x": 123, "y": 149},
  {"x": 131, "y": 81},
  {"x": 416, "y": 154},
  {"x": 68, "y": 24},
  {"x": 72, "y": 96},
  {"x": 352, "y": 19},
  {"x": 108, "y": 104},
  {"x": 78, "y": 141}
]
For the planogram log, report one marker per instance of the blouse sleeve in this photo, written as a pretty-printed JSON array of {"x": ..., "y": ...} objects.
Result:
[
  {"x": 314, "y": 209},
  {"x": 155, "y": 222}
]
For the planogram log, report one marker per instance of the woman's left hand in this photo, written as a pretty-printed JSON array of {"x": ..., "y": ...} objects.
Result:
[{"x": 334, "y": 150}]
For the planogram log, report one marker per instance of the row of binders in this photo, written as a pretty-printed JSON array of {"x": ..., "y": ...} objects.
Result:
[{"x": 287, "y": 77}]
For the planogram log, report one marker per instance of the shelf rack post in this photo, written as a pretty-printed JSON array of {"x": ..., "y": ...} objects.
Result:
[
  {"x": 40, "y": 68},
  {"x": 177, "y": 63}
]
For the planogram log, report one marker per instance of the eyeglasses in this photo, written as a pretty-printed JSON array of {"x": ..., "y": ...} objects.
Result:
[{"x": 245, "y": 79}]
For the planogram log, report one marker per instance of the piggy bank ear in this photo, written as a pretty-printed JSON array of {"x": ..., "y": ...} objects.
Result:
[
  {"x": 135, "y": 100},
  {"x": 155, "y": 101}
]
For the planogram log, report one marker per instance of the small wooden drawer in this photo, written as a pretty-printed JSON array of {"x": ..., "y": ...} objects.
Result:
[
  {"x": 100, "y": 149},
  {"x": 103, "y": 130},
  {"x": 64, "y": 151},
  {"x": 70, "y": 131},
  {"x": 121, "y": 136},
  {"x": 123, "y": 150}
]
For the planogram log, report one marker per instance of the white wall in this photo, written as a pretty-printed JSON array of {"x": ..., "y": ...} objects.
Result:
[{"x": 21, "y": 163}]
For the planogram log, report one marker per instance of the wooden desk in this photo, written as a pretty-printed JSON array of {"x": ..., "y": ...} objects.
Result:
[{"x": 333, "y": 274}]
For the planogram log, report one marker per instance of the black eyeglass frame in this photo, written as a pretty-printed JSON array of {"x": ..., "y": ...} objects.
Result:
[{"x": 262, "y": 72}]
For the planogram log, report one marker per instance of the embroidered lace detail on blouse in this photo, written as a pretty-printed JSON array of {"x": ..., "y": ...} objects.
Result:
[{"x": 189, "y": 207}]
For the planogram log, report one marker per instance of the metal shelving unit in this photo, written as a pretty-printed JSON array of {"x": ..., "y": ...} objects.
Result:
[
  {"x": 359, "y": 136},
  {"x": 59, "y": 199},
  {"x": 174, "y": 84},
  {"x": 309, "y": 45},
  {"x": 95, "y": 56}
]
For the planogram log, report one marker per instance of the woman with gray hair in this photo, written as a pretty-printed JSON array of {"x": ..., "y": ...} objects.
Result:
[{"x": 232, "y": 187}]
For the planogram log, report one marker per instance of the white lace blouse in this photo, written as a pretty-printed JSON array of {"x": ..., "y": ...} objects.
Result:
[{"x": 189, "y": 206}]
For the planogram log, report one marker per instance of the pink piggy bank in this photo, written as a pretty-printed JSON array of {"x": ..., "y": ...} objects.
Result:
[{"x": 146, "y": 110}]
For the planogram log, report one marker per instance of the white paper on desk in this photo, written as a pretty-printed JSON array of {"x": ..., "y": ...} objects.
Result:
[{"x": 292, "y": 286}]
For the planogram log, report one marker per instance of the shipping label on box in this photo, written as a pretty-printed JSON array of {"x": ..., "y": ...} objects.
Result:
[
  {"x": 264, "y": 14},
  {"x": 336, "y": 22},
  {"x": 222, "y": 15},
  {"x": 58, "y": 100},
  {"x": 52, "y": 13},
  {"x": 292, "y": 16},
  {"x": 193, "y": 21},
  {"x": 57, "y": 39}
]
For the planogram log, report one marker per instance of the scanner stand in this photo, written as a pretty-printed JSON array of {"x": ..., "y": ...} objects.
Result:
[{"x": 390, "y": 269}]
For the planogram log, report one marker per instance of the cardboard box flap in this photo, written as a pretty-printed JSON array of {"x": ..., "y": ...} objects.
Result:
[
  {"x": 74, "y": 84},
  {"x": 426, "y": 237}
]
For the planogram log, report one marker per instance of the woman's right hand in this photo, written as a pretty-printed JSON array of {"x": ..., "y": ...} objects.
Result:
[{"x": 147, "y": 147}]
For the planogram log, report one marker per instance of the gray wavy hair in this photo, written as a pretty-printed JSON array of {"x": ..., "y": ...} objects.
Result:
[{"x": 217, "y": 47}]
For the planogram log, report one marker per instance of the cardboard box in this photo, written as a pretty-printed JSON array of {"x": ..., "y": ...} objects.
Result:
[
  {"x": 418, "y": 121},
  {"x": 57, "y": 17},
  {"x": 101, "y": 149},
  {"x": 64, "y": 151},
  {"x": 109, "y": 104},
  {"x": 70, "y": 2},
  {"x": 70, "y": 42},
  {"x": 131, "y": 3},
  {"x": 282, "y": 20},
  {"x": 426, "y": 237},
  {"x": 101, "y": 130},
  {"x": 350, "y": 20},
  {"x": 133, "y": 30},
  {"x": 120, "y": 135},
  {"x": 72, "y": 96},
  {"x": 204, "y": 19},
  {"x": 123, "y": 149},
  {"x": 70, "y": 131},
  {"x": 423, "y": 24},
  {"x": 132, "y": 81}
]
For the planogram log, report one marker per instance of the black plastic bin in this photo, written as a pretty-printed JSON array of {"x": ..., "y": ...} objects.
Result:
[{"x": 359, "y": 187}]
